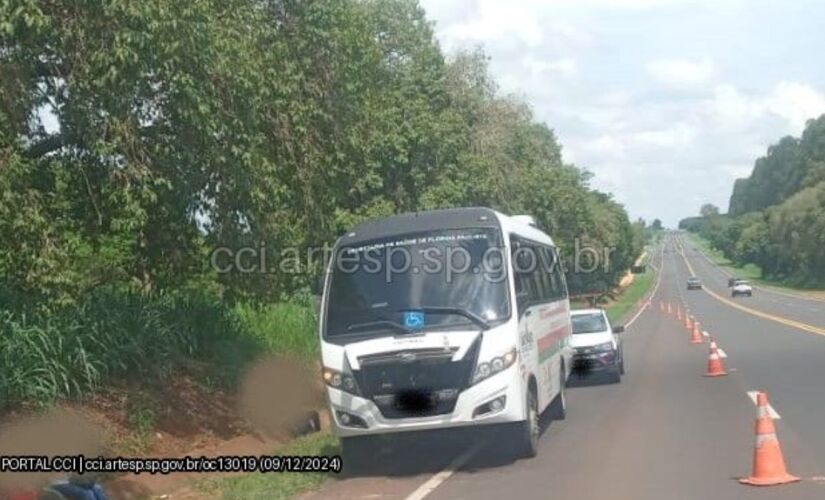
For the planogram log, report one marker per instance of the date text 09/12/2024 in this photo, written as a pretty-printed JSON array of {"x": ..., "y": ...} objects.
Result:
[{"x": 81, "y": 464}]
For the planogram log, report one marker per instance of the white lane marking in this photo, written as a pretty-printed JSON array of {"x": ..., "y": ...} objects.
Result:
[
  {"x": 650, "y": 297},
  {"x": 435, "y": 481},
  {"x": 438, "y": 478},
  {"x": 769, "y": 289},
  {"x": 773, "y": 413},
  {"x": 722, "y": 353}
]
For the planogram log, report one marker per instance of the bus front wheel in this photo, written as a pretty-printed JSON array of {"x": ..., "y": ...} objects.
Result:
[
  {"x": 528, "y": 431},
  {"x": 357, "y": 451},
  {"x": 558, "y": 407}
]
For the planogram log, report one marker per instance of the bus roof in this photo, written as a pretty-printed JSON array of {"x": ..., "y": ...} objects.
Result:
[{"x": 450, "y": 218}]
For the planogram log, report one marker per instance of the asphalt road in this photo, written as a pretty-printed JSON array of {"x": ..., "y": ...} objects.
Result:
[
  {"x": 665, "y": 432},
  {"x": 791, "y": 306}
]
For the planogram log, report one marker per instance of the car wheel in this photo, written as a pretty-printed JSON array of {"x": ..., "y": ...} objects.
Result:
[
  {"x": 528, "y": 431},
  {"x": 615, "y": 374},
  {"x": 621, "y": 363},
  {"x": 750, "y": 294}
]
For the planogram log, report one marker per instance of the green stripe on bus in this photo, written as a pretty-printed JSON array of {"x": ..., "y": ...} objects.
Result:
[{"x": 550, "y": 351}]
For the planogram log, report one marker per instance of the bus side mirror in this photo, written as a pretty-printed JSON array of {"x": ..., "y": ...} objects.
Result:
[{"x": 618, "y": 329}]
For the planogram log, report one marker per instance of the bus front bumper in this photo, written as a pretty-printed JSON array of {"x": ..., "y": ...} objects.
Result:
[{"x": 497, "y": 400}]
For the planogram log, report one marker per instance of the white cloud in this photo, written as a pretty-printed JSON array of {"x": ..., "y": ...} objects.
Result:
[
  {"x": 681, "y": 73},
  {"x": 676, "y": 136},
  {"x": 607, "y": 146},
  {"x": 793, "y": 103},
  {"x": 641, "y": 4},
  {"x": 663, "y": 100},
  {"x": 571, "y": 33},
  {"x": 732, "y": 110},
  {"x": 537, "y": 67},
  {"x": 737, "y": 171},
  {"x": 796, "y": 103},
  {"x": 623, "y": 4},
  {"x": 495, "y": 20}
]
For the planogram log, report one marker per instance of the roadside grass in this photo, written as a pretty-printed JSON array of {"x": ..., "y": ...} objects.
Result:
[
  {"x": 283, "y": 328},
  {"x": 618, "y": 309},
  {"x": 73, "y": 351},
  {"x": 132, "y": 347},
  {"x": 749, "y": 271},
  {"x": 275, "y": 485}
]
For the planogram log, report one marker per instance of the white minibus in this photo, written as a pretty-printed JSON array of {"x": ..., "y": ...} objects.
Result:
[{"x": 442, "y": 319}]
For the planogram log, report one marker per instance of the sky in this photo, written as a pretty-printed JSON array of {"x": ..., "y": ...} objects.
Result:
[{"x": 666, "y": 102}]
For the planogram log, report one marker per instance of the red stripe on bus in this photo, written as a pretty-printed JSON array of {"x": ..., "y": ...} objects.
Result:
[{"x": 550, "y": 340}]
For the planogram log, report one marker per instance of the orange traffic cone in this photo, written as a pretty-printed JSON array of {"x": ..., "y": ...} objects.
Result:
[
  {"x": 697, "y": 333},
  {"x": 661, "y": 306},
  {"x": 678, "y": 312},
  {"x": 688, "y": 323},
  {"x": 715, "y": 366},
  {"x": 669, "y": 308},
  {"x": 696, "y": 336},
  {"x": 768, "y": 462}
]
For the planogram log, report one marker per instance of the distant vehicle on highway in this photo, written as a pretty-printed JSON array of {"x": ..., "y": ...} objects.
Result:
[
  {"x": 440, "y": 319},
  {"x": 694, "y": 283},
  {"x": 598, "y": 346},
  {"x": 741, "y": 287}
]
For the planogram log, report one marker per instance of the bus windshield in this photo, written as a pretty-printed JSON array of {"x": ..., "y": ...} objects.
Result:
[{"x": 445, "y": 279}]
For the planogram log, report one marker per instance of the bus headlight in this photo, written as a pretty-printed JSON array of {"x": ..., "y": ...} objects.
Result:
[
  {"x": 340, "y": 380},
  {"x": 499, "y": 363}
]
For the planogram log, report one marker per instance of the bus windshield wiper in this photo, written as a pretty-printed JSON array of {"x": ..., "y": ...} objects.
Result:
[
  {"x": 381, "y": 323},
  {"x": 458, "y": 311}
]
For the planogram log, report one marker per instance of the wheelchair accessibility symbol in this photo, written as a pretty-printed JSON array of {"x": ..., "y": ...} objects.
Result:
[{"x": 414, "y": 320}]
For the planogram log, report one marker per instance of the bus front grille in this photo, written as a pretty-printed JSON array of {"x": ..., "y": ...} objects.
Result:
[{"x": 414, "y": 383}]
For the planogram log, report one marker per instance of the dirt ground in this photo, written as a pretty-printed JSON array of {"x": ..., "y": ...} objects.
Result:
[{"x": 176, "y": 418}]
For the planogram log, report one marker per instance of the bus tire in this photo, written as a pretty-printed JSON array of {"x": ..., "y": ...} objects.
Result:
[
  {"x": 558, "y": 407},
  {"x": 528, "y": 432},
  {"x": 356, "y": 451}
]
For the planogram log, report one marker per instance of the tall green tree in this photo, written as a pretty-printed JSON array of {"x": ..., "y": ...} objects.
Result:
[{"x": 136, "y": 137}]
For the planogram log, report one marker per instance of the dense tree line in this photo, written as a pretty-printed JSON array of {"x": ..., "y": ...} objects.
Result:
[
  {"x": 137, "y": 136},
  {"x": 777, "y": 215}
]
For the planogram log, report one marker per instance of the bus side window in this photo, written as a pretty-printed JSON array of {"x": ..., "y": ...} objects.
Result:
[
  {"x": 536, "y": 273},
  {"x": 559, "y": 283},
  {"x": 540, "y": 285},
  {"x": 543, "y": 272},
  {"x": 520, "y": 280}
]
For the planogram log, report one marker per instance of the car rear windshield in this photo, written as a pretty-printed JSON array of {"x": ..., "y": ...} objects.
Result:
[{"x": 588, "y": 323}]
